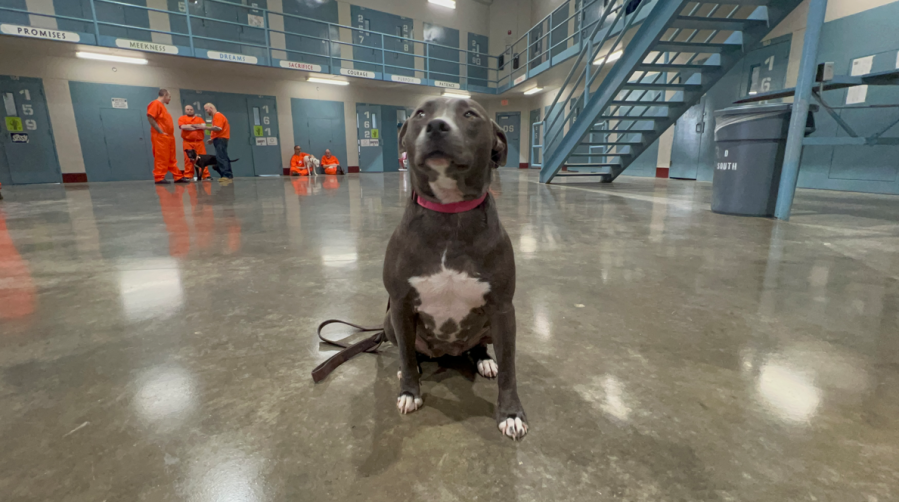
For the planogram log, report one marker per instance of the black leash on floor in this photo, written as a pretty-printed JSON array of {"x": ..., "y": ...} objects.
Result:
[{"x": 369, "y": 345}]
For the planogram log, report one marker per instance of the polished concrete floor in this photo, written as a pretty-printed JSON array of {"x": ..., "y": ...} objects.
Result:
[{"x": 156, "y": 344}]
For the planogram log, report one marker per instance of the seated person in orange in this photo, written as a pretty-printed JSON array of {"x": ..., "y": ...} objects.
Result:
[
  {"x": 330, "y": 163},
  {"x": 297, "y": 163}
]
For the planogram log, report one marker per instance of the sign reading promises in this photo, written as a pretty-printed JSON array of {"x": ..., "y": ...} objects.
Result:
[
  {"x": 28, "y": 31},
  {"x": 357, "y": 73},
  {"x": 145, "y": 46},
  {"x": 234, "y": 58},
  {"x": 293, "y": 65}
]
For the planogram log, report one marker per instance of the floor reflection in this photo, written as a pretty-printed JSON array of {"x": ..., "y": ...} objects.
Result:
[{"x": 18, "y": 296}]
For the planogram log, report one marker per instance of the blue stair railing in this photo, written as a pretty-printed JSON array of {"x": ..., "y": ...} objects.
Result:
[{"x": 597, "y": 127}]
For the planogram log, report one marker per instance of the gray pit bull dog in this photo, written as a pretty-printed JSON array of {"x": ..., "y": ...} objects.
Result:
[{"x": 449, "y": 269}]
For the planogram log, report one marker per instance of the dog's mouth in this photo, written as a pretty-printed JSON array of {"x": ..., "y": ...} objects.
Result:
[{"x": 440, "y": 160}]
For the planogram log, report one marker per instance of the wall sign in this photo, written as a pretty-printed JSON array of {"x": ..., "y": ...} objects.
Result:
[
  {"x": 260, "y": 141},
  {"x": 271, "y": 141},
  {"x": 28, "y": 31},
  {"x": 357, "y": 73},
  {"x": 14, "y": 124},
  {"x": 19, "y": 137},
  {"x": 145, "y": 46},
  {"x": 294, "y": 65},
  {"x": 256, "y": 21},
  {"x": 375, "y": 134},
  {"x": 520, "y": 79},
  {"x": 447, "y": 85},
  {"x": 257, "y": 131},
  {"x": 404, "y": 79},
  {"x": 504, "y": 102},
  {"x": 120, "y": 103},
  {"x": 234, "y": 58}
]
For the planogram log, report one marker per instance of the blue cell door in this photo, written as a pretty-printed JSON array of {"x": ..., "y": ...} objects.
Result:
[
  {"x": 510, "y": 123},
  {"x": 266, "y": 150},
  {"x": 368, "y": 124},
  {"x": 128, "y": 146},
  {"x": 29, "y": 151}
]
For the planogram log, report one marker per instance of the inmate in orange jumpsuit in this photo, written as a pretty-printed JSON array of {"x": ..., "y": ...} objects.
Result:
[
  {"x": 330, "y": 163},
  {"x": 297, "y": 166},
  {"x": 192, "y": 140},
  {"x": 165, "y": 158}
]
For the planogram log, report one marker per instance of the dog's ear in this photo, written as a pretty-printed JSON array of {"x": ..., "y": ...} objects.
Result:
[
  {"x": 500, "y": 146},
  {"x": 401, "y": 135}
]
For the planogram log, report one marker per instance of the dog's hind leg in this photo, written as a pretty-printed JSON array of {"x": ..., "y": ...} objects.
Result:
[{"x": 487, "y": 367}]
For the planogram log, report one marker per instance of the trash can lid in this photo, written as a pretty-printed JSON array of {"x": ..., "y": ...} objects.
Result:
[{"x": 767, "y": 108}]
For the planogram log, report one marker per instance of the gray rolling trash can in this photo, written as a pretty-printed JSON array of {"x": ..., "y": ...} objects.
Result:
[{"x": 750, "y": 142}]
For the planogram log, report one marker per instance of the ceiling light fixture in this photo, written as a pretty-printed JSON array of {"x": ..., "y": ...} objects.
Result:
[
  {"x": 615, "y": 56},
  {"x": 444, "y": 3},
  {"x": 535, "y": 90},
  {"x": 457, "y": 94},
  {"x": 327, "y": 81},
  {"x": 110, "y": 57}
]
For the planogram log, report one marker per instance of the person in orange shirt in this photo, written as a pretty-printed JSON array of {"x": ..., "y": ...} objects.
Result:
[
  {"x": 221, "y": 133},
  {"x": 330, "y": 162},
  {"x": 192, "y": 139},
  {"x": 163, "y": 136},
  {"x": 298, "y": 162}
]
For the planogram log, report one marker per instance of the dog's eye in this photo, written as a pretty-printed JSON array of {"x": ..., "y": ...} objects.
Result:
[
  {"x": 420, "y": 114},
  {"x": 470, "y": 114}
]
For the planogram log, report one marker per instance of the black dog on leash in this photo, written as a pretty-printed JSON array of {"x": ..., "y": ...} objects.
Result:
[{"x": 203, "y": 161}]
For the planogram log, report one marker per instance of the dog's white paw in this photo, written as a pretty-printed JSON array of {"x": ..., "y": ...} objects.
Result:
[
  {"x": 513, "y": 428},
  {"x": 487, "y": 368},
  {"x": 406, "y": 403}
]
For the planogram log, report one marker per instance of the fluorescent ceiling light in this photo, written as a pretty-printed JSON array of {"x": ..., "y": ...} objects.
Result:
[
  {"x": 457, "y": 94},
  {"x": 109, "y": 57},
  {"x": 328, "y": 81},
  {"x": 445, "y": 3},
  {"x": 615, "y": 56},
  {"x": 535, "y": 90}
]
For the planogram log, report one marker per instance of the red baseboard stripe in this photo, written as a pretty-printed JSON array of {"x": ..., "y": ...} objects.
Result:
[
  {"x": 286, "y": 171},
  {"x": 352, "y": 169},
  {"x": 523, "y": 165},
  {"x": 661, "y": 172},
  {"x": 74, "y": 177}
]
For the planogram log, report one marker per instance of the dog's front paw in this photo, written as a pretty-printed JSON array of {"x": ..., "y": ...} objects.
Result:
[
  {"x": 487, "y": 368},
  {"x": 513, "y": 427},
  {"x": 407, "y": 403}
]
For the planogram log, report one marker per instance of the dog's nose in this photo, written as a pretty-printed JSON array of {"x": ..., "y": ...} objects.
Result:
[{"x": 438, "y": 127}]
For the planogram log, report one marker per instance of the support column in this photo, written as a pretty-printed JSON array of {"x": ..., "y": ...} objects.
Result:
[{"x": 807, "y": 65}]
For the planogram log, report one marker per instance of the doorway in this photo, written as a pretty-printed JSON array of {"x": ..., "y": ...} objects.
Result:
[
  {"x": 510, "y": 123},
  {"x": 27, "y": 148}
]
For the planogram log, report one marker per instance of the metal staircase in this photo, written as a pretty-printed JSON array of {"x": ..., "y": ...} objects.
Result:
[{"x": 598, "y": 126}]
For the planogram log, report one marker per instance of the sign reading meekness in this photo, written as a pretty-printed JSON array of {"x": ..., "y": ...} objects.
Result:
[
  {"x": 28, "y": 31},
  {"x": 145, "y": 46}
]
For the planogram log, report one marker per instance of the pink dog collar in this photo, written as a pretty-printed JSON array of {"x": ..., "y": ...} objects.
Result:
[{"x": 453, "y": 207}]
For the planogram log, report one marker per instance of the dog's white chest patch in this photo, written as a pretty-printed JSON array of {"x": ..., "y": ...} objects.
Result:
[{"x": 449, "y": 295}]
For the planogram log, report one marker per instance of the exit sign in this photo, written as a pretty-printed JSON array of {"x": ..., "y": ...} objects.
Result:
[{"x": 504, "y": 102}]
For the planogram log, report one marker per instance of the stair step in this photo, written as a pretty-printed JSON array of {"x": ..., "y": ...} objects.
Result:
[
  {"x": 678, "y": 68},
  {"x": 625, "y": 102},
  {"x": 662, "y": 87},
  {"x": 613, "y": 143},
  {"x": 711, "y": 23},
  {"x": 695, "y": 47}
]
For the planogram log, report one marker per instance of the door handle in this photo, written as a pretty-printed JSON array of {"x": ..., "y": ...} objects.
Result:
[{"x": 700, "y": 127}]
